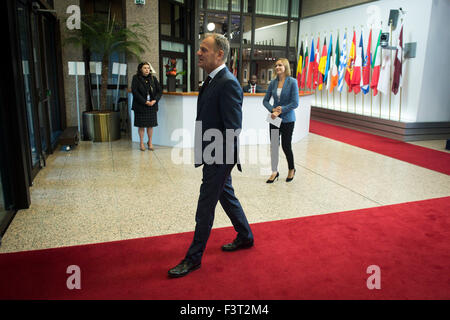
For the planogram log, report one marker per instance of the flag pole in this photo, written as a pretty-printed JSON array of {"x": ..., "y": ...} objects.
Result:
[
  {"x": 379, "y": 93},
  {"x": 400, "y": 106},
  {"x": 371, "y": 72},
  {"x": 362, "y": 93},
  {"x": 315, "y": 90},
  {"x": 347, "y": 98},
  {"x": 334, "y": 103},
  {"x": 362, "y": 98},
  {"x": 327, "y": 98},
  {"x": 324, "y": 87},
  {"x": 331, "y": 31},
  {"x": 354, "y": 95},
  {"x": 321, "y": 98},
  {"x": 381, "y": 53},
  {"x": 318, "y": 72},
  {"x": 390, "y": 69},
  {"x": 370, "y": 92}
]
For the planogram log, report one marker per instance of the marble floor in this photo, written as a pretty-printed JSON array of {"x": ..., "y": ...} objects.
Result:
[{"x": 102, "y": 192}]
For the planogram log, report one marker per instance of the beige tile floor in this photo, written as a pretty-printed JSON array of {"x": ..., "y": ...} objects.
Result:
[{"x": 102, "y": 192}]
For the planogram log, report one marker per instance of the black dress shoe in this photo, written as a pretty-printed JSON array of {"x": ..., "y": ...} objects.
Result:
[
  {"x": 276, "y": 177},
  {"x": 183, "y": 268},
  {"x": 237, "y": 245},
  {"x": 290, "y": 179}
]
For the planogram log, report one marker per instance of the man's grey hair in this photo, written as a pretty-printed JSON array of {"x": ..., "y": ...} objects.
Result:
[{"x": 222, "y": 43}]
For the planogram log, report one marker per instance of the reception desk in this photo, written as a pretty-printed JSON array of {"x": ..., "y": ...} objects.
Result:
[{"x": 177, "y": 112}]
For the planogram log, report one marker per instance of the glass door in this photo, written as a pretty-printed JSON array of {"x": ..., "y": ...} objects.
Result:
[
  {"x": 40, "y": 68},
  {"x": 5, "y": 197},
  {"x": 42, "y": 97},
  {"x": 23, "y": 18},
  {"x": 52, "y": 92}
]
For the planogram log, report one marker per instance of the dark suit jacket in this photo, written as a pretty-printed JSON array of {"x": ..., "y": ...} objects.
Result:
[
  {"x": 219, "y": 108},
  {"x": 259, "y": 89},
  {"x": 140, "y": 91}
]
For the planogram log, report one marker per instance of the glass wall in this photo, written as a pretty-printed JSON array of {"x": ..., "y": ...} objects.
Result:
[
  {"x": 112, "y": 95},
  {"x": 218, "y": 5},
  {"x": 272, "y": 8},
  {"x": 104, "y": 8},
  {"x": 52, "y": 82},
  {"x": 2, "y": 175},
  {"x": 262, "y": 32},
  {"x": 5, "y": 171},
  {"x": 39, "y": 84},
  {"x": 26, "y": 50},
  {"x": 176, "y": 41},
  {"x": 270, "y": 31}
]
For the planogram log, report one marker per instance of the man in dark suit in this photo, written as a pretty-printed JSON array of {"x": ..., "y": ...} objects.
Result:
[
  {"x": 253, "y": 87},
  {"x": 218, "y": 124}
]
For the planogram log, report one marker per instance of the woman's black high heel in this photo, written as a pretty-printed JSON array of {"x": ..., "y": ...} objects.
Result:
[
  {"x": 272, "y": 181},
  {"x": 290, "y": 179}
]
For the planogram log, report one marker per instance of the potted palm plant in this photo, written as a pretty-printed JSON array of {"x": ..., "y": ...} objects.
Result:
[{"x": 104, "y": 35}]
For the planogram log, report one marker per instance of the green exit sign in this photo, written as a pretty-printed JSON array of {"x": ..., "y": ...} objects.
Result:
[{"x": 139, "y": 1}]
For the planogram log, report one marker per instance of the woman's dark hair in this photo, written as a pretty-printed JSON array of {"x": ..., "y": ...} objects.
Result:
[{"x": 139, "y": 72}]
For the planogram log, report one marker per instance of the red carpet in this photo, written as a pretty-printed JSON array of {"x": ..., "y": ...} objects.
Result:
[
  {"x": 420, "y": 156},
  {"x": 317, "y": 257}
]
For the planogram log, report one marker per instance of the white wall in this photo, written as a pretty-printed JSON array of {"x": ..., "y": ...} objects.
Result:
[
  {"x": 435, "y": 94},
  {"x": 415, "y": 98}
]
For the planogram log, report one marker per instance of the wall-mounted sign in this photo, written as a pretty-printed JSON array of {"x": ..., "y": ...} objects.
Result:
[
  {"x": 76, "y": 68},
  {"x": 142, "y": 2}
]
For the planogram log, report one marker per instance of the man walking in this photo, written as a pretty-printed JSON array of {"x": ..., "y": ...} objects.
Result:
[{"x": 219, "y": 109}]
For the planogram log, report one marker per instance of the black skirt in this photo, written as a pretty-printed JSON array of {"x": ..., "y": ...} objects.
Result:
[{"x": 146, "y": 119}]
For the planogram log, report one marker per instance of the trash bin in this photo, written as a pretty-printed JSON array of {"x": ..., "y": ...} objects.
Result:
[{"x": 88, "y": 126}]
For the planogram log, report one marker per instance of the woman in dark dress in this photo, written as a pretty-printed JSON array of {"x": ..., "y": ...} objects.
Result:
[{"x": 146, "y": 94}]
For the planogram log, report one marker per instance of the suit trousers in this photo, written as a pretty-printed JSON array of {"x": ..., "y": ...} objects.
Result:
[
  {"x": 216, "y": 187},
  {"x": 286, "y": 129}
]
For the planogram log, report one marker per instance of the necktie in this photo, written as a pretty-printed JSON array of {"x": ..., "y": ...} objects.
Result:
[
  {"x": 205, "y": 84},
  {"x": 253, "y": 89}
]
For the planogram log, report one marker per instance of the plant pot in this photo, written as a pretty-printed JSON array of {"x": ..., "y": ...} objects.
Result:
[
  {"x": 101, "y": 126},
  {"x": 171, "y": 84}
]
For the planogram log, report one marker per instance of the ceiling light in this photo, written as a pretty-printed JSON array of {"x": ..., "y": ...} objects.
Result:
[{"x": 211, "y": 26}]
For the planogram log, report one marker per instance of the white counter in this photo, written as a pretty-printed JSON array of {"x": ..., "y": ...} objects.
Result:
[{"x": 176, "y": 120}]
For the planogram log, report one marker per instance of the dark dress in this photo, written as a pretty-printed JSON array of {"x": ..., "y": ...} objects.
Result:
[{"x": 145, "y": 116}]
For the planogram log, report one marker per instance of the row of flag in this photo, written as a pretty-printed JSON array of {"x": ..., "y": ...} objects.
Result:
[{"x": 332, "y": 68}]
